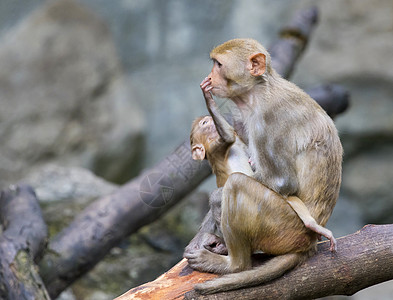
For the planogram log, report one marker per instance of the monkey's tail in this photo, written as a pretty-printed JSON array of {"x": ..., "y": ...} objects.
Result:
[{"x": 272, "y": 269}]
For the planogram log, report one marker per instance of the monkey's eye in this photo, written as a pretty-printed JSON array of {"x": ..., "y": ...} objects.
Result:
[
  {"x": 219, "y": 65},
  {"x": 204, "y": 122}
]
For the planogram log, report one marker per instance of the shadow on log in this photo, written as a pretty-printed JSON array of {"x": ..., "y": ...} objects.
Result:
[
  {"x": 363, "y": 259},
  {"x": 22, "y": 241},
  {"x": 104, "y": 223}
]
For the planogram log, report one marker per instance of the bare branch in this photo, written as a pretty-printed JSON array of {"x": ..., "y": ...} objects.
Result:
[
  {"x": 363, "y": 259},
  {"x": 22, "y": 241}
]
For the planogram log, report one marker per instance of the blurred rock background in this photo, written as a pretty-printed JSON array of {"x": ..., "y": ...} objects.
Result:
[{"x": 112, "y": 87}]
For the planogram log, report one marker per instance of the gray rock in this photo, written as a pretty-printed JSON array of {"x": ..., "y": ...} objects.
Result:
[
  {"x": 352, "y": 46},
  {"x": 55, "y": 183},
  {"x": 63, "y": 97},
  {"x": 64, "y": 192},
  {"x": 368, "y": 178}
]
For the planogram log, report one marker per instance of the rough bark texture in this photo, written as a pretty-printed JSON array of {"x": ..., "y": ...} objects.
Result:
[
  {"x": 363, "y": 259},
  {"x": 23, "y": 238},
  {"x": 103, "y": 224}
]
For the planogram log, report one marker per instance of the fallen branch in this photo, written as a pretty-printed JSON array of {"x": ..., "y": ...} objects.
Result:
[
  {"x": 22, "y": 241},
  {"x": 363, "y": 259},
  {"x": 104, "y": 223}
]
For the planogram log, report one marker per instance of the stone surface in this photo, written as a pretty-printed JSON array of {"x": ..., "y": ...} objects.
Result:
[
  {"x": 63, "y": 96},
  {"x": 55, "y": 183}
]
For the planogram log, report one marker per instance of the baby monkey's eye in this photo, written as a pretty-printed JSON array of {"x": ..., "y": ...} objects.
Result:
[{"x": 204, "y": 122}]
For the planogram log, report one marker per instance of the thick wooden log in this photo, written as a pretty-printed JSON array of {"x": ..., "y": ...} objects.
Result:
[
  {"x": 22, "y": 241},
  {"x": 363, "y": 259}
]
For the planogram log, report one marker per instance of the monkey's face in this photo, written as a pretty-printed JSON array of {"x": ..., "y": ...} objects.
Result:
[
  {"x": 239, "y": 65},
  {"x": 203, "y": 135},
  {"x": 230, "y": 76},
  {"x": 219, "y": 81},
  {"x": 208, "y": 128}
]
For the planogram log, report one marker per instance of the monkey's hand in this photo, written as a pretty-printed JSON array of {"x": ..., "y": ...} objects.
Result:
[
  {"x": 206, "y": 88},
  {"x": 208, "y": 241}
]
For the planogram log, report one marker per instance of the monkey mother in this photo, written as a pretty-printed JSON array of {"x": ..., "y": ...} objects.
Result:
[{"x": 293, "y": 145}]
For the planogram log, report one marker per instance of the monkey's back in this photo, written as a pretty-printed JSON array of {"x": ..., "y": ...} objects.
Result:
[{"x": 300, "y": 152}]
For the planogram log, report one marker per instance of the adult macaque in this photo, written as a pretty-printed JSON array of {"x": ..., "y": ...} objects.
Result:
[
  {"x": 296, "y": 152},
  {"x": 213, "y": 138}
]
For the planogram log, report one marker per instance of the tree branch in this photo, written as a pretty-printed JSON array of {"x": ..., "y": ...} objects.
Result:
[
  {"x": 363, "y": 259},
  {"x": 22, "y": 241},
  {"x": 293, "y": 39}
]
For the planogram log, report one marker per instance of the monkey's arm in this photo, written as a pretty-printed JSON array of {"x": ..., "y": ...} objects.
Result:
[
  {"x": 304, "y": 214},
  {"x": 224, "y": 129}
]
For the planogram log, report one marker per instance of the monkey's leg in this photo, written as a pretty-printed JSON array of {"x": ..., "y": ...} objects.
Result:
[
  {"x": 209, "y": 232},
  {"x": 239, "y": 250},
  {"x": 304, "y": 214},
  {"x": 234, "y": 225}
]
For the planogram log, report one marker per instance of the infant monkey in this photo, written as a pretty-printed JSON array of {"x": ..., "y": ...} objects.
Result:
[{"x": 212, "y": 137}]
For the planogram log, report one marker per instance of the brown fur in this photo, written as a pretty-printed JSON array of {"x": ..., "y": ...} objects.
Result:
[{"x": 297, "y": 154}]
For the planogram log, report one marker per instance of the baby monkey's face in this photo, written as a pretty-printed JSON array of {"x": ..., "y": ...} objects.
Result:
[{"x": 208, "y": 128}]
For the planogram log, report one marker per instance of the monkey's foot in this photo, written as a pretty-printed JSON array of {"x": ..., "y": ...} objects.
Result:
[
  {"x": 206, "y": 261},
  {"x": 208, "y": 241},
  {"x": 216, "y": 245}
]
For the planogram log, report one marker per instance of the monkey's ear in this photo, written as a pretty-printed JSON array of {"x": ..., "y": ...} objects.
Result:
[
  {"x": 257, "y": 64},
  {"x": 198, "y": 152}
]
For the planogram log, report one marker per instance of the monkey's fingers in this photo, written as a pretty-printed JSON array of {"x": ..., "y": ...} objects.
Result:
[
  {"x": 206, "y": 80},
  {"x": 191, "y": 255},
  {"x": 333, "y": 244},
  {"x": 207, "y": 94},
  {"x": 206, "y": 85},
  {"x": 203, "y": 260},
  {"x": 208, "y": 89}
]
